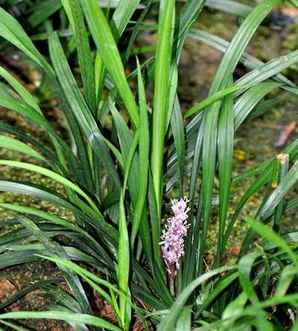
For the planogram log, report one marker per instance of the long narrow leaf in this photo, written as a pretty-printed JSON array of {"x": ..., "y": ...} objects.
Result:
[
  {"x": 64, "y": 316},
  {"x": 107, "y": 48},
  {"x": 161, "y": 94}
]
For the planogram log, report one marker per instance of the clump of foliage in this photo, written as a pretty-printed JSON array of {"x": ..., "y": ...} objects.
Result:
[{"x": 118, "y": 178}]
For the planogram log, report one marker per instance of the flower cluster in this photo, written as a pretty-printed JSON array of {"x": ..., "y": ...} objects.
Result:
[{"x": 172, "y": 239}]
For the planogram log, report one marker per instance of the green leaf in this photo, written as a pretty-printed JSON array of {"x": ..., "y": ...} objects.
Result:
[
  {"x": 177, "y": 126},
  {"x": 76, "y": 19},
  {"x": 210, "y": 122},
  {"x": 125, "y": 140},
  {"x": 95, "y": 282},
  {"x": 240, "y": 41},
  {"x": 13, "y": 32},
  {"x": 123, "y": 13},
  {"x": 267, "y": 233},
  {"x": 27, "y": 111},
  {"x": 189, "y": 14},
  {"x": 161, "y": 93},
  {"x": 94, "y": 219},
  {"x": 169, "y": 321},
  {"x": 212, "y": 99},
  {"x": 123, "y": 266},
  {"x": 62, "y": 316},
  {"x": 20, "y": 89},
  {"x": 13, "y": 326},
  {"x": 79, "y": 107},
  {"x": 246, "y": 103},
  {"x": 235, "y": 307},
  {"x": 229, "y": 6},
  {"x": 259, "y": 183},
  {"x": 245, "y": 266},
  {"x": 274, "y": 199},
  {"x": 18, "y": 146},
  {"x": 260, "y": 73},
  {"x": 144, "y": 145},
  {"x": 269, "y": 69},
  {"x": 123, "y": 270},
  {"x": 42, "y": 11},
  {"x": 46, "y": 151},
  {"x": 222, "y": 45},
  {"x": 294, "y": 3},
  {"x": 220, "y": 286},
  {"x": 51, "y": 174},
  {"x": 287, "y": 276},
  {"x": 70, "y": 88},
  {"x": 184, "y": 321},
  {"x": 109, "y": 53},
  {"x": 54, "y": 219},
  {"x": 225, "y": 160}
]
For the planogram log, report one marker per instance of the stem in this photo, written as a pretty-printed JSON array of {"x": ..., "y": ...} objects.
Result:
[{"x": 172, "y": 286}]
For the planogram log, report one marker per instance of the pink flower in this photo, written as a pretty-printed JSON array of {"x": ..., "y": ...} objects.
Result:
[{"x": 172, "y": 244}]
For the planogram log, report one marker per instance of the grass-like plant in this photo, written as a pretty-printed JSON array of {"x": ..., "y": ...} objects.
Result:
[{"x": 117, "y": 180}]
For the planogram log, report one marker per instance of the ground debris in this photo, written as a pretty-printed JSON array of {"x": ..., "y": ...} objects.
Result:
[
  {"x": 286, "y": 134},
  {"x": 7, "y": 288}
]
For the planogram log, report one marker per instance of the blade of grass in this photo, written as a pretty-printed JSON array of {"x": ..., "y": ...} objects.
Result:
[
  {"x": 123, "y": 266},
  {"x": 247, "y": 102},
  {"x": 283, "y": 167},
  {"x": 260, "y": 73},
  {"x": 25, "y": 110},
  {"x": 245, "y": 266},
  {"x": 123, "y": 270},
  {"x": 37, "y": 118},
  {"x": 79, "y": 107},
  {"x": 161, "y": 94},
  {"x": 229, "y": 6},
  {"x": 177, "y": 126},
  {"x": 227, "y": 66},
  {"x": 13, "y": 32},
  {"x": 62, "y": 316},
  {"x": 189, "y": 14},
  {"x": 259, "y": 183},
  {"x": 42, "y": 11},
  {"x": 125, "y": 141},
  {"x": 143, "y": 160},
  {"x": 225, "y": 160},
  {"x": 24, "y": 136},
  {"x": 109, "y": 53},
  {"x": 219, "y": 287},
  {"x": 222, "y": 45},
  {"x": 276, "y": 196},
  {"x": 184, "y": 321},
  {"x": 95, "y": 220},
  {"x": 18, "y": 146},
  {"x": 267, "y": 233},
  {"x": 20, "y": 89},
  {"x": 59, "y": 221},
  {"x": 169, "y": 321},
  {"x": 123, "y": 14},
  {"x": 13, "y": 326},
  {"x": 76, "y": 19},
  {"x": 51, "y": 174},
  {"x": 55, "y": 248}
]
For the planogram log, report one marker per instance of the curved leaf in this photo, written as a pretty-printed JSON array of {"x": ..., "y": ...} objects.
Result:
[
  {"x": 64, "y": 316},
  {"x": 18, "y": 146}
]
